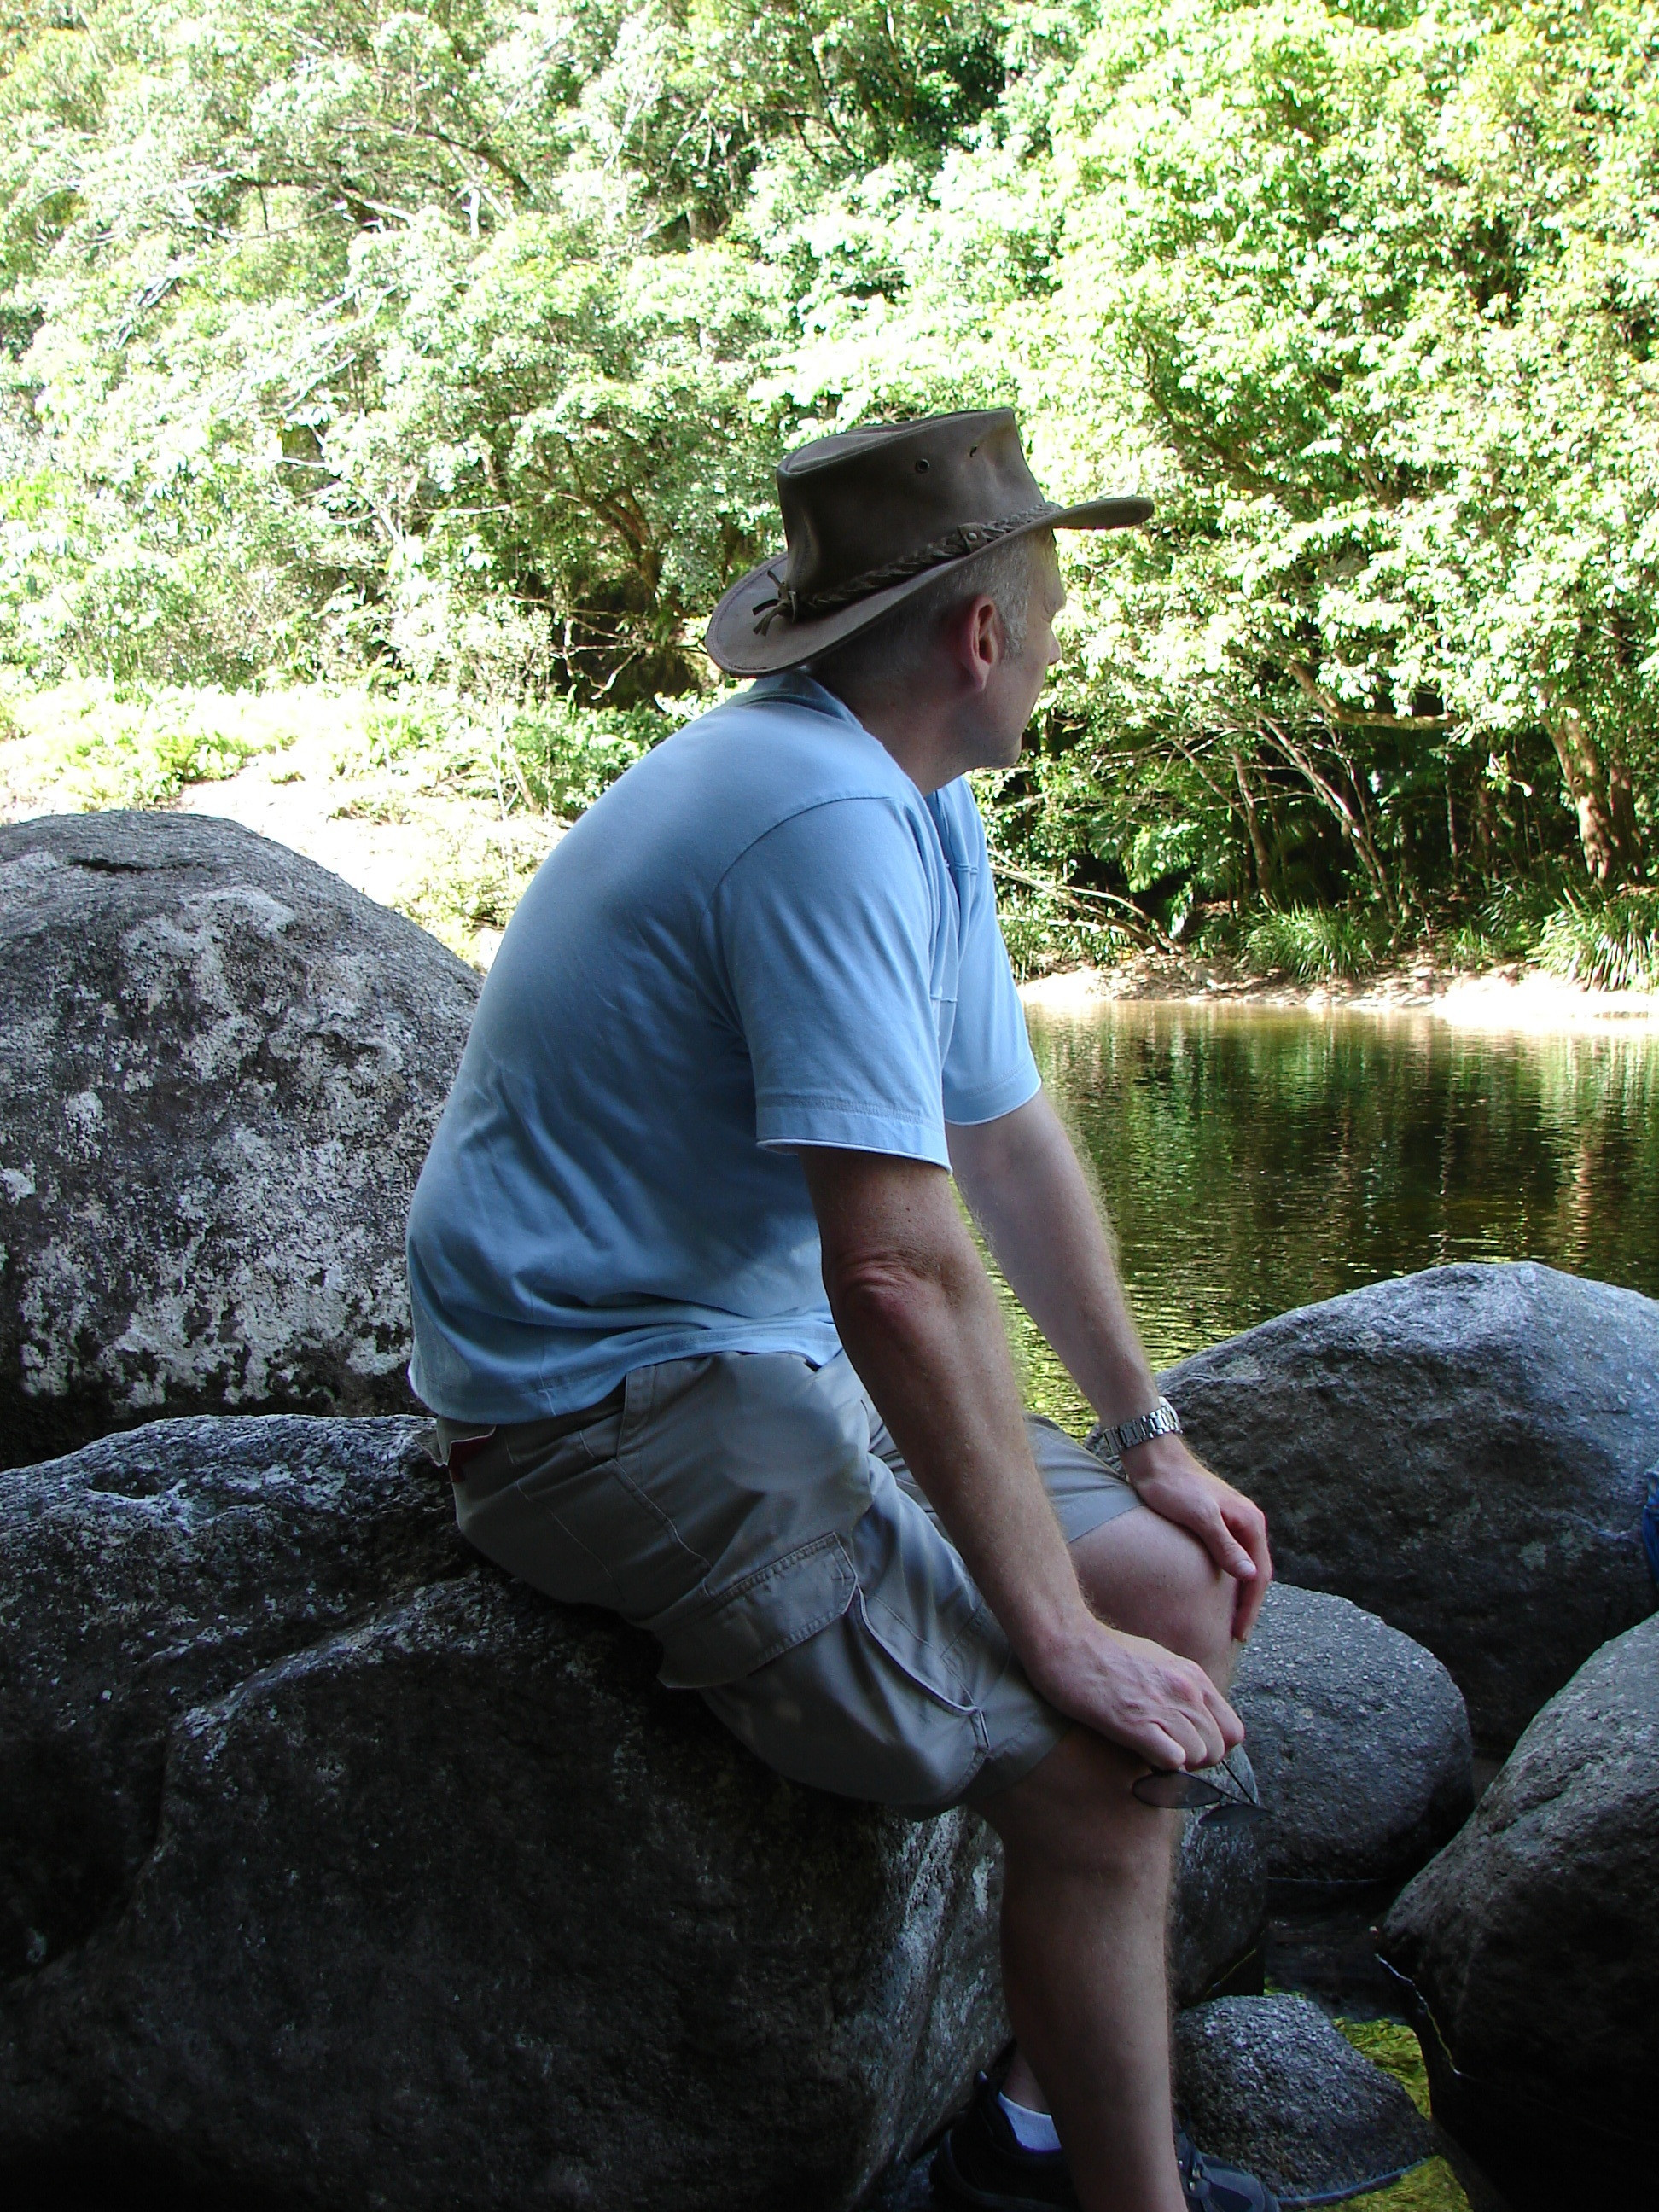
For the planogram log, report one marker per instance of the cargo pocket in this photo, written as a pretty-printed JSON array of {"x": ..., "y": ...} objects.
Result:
[{"x": 722, "y": 1638}]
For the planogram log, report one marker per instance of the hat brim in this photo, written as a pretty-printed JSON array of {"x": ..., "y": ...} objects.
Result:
[{"x": 735, "y": 643}]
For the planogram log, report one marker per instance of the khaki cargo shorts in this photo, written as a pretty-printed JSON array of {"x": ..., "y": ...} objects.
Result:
[{"x": 752, "y": 1512}]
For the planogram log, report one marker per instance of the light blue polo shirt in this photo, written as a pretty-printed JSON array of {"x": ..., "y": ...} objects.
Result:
[{"x": 763, "y": 936}]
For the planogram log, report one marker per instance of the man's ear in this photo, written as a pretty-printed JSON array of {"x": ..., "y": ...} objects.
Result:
[{"x": 982, "y": 638}]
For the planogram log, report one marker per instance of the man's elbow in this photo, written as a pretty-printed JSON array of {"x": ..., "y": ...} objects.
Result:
[{"x": 881, "y": 1293}]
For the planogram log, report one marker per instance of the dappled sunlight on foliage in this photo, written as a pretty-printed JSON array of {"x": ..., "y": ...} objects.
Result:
[{"x": 455, "y": 347}]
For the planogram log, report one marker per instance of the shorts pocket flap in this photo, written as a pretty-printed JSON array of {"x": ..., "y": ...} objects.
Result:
[{"x": 723, "y": 1637}]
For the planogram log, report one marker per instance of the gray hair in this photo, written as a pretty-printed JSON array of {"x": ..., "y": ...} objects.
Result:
[{"x": 893, "y": 648}]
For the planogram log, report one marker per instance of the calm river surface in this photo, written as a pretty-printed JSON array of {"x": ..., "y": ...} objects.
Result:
[{"x": 1255, "y": 1159}]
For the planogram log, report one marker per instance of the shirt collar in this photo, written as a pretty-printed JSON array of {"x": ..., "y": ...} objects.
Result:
[{"x": 793, "y": 687}]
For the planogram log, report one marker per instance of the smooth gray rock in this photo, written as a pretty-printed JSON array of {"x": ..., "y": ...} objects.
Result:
[
  {"x": 342, "y": 1872},
  {"x": 220, "y": 1070},
  {"x": 1533, "y": 1941},
  {"x": 1359, "y": 1740},
  {"x": 1267, "y": 2084},
  {"x": 1459, "y": 1451}
]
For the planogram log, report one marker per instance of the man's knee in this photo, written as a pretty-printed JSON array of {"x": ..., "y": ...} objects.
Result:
[
  {"x": 1201, "y": 1604},
  {"x": 1154, "y": 1579}
]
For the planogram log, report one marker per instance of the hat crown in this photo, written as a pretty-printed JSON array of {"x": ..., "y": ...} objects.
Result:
[{"x": 857, "y": 501}]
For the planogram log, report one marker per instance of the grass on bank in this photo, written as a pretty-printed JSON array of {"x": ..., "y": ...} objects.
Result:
[
  {"x": 1606, "y": 941},
  {"x": 511, "y": 773},
  {"x": 1612, "y": 943},
  {"x": 1394, "y": 2047}
]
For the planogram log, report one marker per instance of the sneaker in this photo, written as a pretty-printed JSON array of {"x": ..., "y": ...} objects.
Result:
[
  {"x": 1212, "y": 2188},
  {"x": 982, "y": 2163}
]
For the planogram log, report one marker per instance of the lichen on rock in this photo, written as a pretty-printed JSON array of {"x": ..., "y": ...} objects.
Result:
[{"x": 220, "y": 1070}]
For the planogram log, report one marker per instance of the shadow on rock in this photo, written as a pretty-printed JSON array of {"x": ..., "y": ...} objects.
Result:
[{"x": 1533, "y": 1945}]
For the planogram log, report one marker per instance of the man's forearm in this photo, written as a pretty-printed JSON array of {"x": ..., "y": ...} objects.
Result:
[
  {"x": 918, "y": 1316},
  {"x": 922, "y": 1328},
  {"x": 1023, "y": 1183}
]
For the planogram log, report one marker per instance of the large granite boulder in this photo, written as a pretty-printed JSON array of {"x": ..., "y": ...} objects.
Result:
[
  {"x": 1532, "y": 1944},
  {"x": 220, "y": 1070},
  {"x": 1459, "y": 1451},
  {"x": 1267, "y": 2084},
  {"x": 341, "y": 1871},
  {"x": 1359, "y": 1740}
]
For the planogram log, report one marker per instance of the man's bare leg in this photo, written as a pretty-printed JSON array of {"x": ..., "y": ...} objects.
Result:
[
  {"x": 1084, "y": 1906},
  {"x": 1086, "y": 1902}
]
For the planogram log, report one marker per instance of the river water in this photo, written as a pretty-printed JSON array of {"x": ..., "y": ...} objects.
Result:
[{"x": 1253, "y": 1159}]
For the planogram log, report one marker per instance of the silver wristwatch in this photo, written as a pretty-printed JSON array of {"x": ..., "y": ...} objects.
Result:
[{"x": 1106, "y": 1442}]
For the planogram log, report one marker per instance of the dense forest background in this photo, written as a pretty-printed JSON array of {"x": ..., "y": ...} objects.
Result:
[{"x": 450, "y": 346}]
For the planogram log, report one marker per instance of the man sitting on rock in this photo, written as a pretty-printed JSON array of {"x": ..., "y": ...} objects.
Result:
[{"x": 710, "y": 1343}]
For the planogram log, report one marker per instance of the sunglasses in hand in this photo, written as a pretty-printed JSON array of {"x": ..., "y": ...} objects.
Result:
[{"x": 1218, "y": 1793}]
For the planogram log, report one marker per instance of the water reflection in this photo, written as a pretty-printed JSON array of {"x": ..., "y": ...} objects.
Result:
[{"x": 1253, "y": 1160}]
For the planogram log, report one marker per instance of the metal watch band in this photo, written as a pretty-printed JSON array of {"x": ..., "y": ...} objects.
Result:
[{"x": 1162, "y": 1421}]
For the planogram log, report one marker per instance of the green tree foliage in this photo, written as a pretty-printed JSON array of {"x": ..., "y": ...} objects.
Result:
[{"x": 458, "y": 339}]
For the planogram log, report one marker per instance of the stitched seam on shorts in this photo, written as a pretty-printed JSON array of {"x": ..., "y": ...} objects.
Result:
[
  {"x": 578, "y": 1434},
  {"x": 972, "y": 1622},
  {"x": 966, "y": 1711},
  {"x": 730, "y": 1591},
  {"x": 814, "y": 1625},
  {"x": 732, "y": 1595},
  {"x": 587, "y": 1551},
  {"x": 1014, "y": 1749},
  {"x": 945, "y": 1652}
]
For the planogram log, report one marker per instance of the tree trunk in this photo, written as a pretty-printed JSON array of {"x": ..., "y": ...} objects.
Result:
[
  {"x": 1351, "y": 817},
  {"x": 1598, "y": 784},
  {"x": 1259, "y": 849}
]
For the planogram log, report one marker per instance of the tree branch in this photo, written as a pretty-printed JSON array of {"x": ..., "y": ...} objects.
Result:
[
  {"x": 1360, "y": 718},
  {"x": 1144, "y": 922}
]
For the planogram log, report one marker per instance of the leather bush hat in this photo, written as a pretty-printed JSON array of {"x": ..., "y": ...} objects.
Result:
[{"x": 874, "y": 515}]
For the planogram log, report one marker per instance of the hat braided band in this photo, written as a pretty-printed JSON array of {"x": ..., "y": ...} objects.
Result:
[{"x": 967, "y": 538}]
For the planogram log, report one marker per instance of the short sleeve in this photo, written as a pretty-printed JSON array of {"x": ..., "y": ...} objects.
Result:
[
  {"x": 988, "y": 1067},
  {"x": 824, "y": 933}
]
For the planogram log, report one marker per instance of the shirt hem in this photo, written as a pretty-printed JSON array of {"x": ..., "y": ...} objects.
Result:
[
  {"x": 783, "y": 1124},
  {"x": 585, "y": 1381}
]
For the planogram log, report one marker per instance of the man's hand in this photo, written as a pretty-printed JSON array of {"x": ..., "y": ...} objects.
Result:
[
  {"x": 1135, "y": 1693},
  {"x": 1233, "y": 1531}
]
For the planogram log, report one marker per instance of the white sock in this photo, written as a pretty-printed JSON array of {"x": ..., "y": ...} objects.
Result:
[{"x": 1032, "y": 2131}]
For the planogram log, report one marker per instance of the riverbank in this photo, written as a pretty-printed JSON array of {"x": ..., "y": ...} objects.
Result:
[
  {"x": 1513, "y": 996},
  {"x": 416, "y": 802}
]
